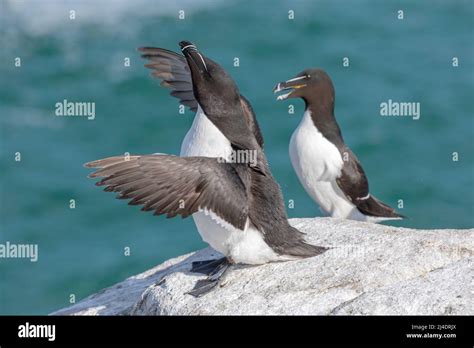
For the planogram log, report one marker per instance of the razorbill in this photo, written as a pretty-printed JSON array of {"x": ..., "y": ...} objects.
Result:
[
  {"x": 328, "y": 170},
  {"x": 203, "y": 138},
  {"x": 244, "y": 200}
]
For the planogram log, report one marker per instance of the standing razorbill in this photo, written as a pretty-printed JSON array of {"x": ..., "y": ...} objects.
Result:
[
  {"x": 203, "y": 138},
  {"x": 328, "y": 170},
  {"x": 243, "y": 199}
]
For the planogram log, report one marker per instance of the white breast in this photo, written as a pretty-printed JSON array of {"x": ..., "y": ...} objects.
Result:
[
  {"x": 313, "y": 156},
  {"x": 317, "y": 163},
  {"x": 205, "y": 139},
  {"x": 248, "y": 246}
]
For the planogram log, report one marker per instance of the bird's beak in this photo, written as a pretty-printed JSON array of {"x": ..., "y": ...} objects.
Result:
[
  {"x": 195, "y": 59},
  {"x": 289, "y": 85}
]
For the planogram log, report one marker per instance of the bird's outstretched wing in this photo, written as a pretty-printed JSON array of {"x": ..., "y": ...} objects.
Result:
[
  {"x": 173, "y": 71},
  {"x": 174, "y": 185}
]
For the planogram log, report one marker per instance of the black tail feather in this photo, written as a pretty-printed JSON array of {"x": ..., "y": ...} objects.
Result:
[
  {"x": 295, "y": 245},
  {"x": 374, "y": 207}
]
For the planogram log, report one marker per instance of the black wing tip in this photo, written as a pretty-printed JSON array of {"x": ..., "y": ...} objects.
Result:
[
  {"x": 314, "y": 250},
  {"x": 378, "y": 209},
  {"x": 152, "y": 51},
  {"x": 391, "y": 214},
  {"x": 144, "y": 48},
  {"x": 89, "y": 164},
  {"x": 305, "y": 250},
  {"x": 149, "y": 48},
  {"x": 395, "y": 215}
]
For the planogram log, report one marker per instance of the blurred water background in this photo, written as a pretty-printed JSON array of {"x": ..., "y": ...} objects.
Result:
[{"x": 81, "y": 250}]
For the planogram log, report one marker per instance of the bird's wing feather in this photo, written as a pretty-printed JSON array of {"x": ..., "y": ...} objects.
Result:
[
  {"x": 173, "y": 71},
  {"x": 355, "y": 186},
  {"x": 352, "y": 180},
  {"x": 177, "y": 185}
]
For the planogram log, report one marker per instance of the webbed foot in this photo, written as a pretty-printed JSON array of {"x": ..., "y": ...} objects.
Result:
[
  {"x": 207, "y": 267},
  {"x": 204, "y": 286}
]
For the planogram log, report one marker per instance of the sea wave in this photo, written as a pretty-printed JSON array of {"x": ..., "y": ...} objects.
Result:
[{"x": 38, "y": 18}]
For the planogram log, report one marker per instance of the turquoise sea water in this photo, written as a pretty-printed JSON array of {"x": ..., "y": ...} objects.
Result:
[{"x": 81, "y": 250}]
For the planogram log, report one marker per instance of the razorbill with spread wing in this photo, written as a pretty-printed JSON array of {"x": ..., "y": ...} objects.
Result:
[
  {"x": 243, "y": 199},
  {"x": 328, "y": 170},
  {"x": 203, "y": 138}
]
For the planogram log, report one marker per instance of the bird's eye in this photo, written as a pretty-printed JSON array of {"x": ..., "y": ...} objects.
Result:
[{"x": 308, "y": 76}]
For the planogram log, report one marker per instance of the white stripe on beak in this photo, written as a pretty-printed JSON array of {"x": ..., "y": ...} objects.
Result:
[
  {"x": 297, "y": 78},
  {"x": 188, "y": 46},
  {"x": 199, "y": 54}
]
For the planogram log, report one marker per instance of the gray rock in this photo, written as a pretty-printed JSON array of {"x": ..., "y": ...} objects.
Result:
[{"x": 371, "y": 269}]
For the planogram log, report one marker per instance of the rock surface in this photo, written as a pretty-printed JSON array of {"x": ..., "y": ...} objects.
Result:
[{"x": 371, "y": 269}]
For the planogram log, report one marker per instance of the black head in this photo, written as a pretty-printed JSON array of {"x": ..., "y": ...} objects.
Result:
[
  {"x": 213, "y": 88},
  {"x": 218, "y": 96},
  {"x": 313, "y": 85}
]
